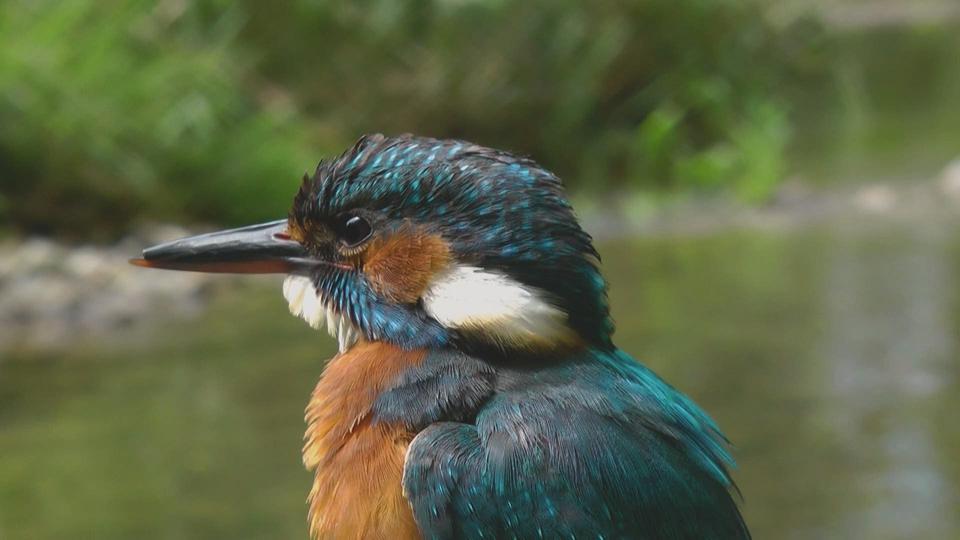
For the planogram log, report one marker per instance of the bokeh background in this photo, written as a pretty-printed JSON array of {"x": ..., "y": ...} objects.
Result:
[{"x": 774, "y": 187}]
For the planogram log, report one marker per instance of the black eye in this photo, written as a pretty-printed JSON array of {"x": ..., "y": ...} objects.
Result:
[{"x": 352, "y": 229}]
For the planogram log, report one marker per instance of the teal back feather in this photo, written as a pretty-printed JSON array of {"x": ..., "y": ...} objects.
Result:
[{"x": 594, "y": 446}]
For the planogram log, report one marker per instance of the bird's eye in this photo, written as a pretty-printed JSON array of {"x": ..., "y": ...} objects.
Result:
[{"x": 352, "y": 229}]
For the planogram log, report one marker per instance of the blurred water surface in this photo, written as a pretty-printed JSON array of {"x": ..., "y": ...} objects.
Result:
[{"x": 828, "y": 355}]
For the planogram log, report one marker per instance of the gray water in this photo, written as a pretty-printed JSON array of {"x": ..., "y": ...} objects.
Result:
[{"x": 829, "y": 356}]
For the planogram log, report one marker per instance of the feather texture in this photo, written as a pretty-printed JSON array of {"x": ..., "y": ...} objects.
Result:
[
  {"x": 494, "y": 305},
  {"x": 593, "y": 447}
]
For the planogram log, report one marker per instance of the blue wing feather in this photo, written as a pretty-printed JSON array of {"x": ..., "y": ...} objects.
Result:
[{"x": 596, "y": 447}]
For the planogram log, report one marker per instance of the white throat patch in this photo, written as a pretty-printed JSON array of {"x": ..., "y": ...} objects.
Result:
[
  {"x": 305, "y": 302},
  {"x": 491, "y": 303}
]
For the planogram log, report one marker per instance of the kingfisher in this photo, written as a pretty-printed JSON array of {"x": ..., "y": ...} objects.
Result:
[{"x": 477, "y": 392}]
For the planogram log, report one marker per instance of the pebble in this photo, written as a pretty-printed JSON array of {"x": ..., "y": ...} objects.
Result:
[
  {"x": 875, "y": 198},
  {"x": 950, "y": 180}
]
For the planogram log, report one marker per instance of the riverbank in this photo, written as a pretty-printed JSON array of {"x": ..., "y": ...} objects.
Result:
[
  {"x": 796, "y": 204},
  {"x": 53, "y": 295}
]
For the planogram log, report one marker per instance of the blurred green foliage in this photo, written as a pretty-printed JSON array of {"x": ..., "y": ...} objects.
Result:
[
  {"x": 889, "y": 107},
  {"x": 116, "y": 111},
  {"x": 648, "y": 93}
]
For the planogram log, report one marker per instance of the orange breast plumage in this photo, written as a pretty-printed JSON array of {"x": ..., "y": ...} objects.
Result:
[{"x": 357, "y": 463}]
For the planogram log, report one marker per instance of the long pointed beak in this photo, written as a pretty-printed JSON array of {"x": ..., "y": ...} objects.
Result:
[{"x": 256, "y": 249}]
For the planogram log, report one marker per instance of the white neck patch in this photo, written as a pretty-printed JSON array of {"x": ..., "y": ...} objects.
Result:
[
  {"x": 305, "y": 302},
  {"x": 461, "y": 297},
  {"x": 492, "y": 303}
]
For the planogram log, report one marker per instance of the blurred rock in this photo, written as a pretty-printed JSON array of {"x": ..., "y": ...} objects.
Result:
[
  {"x": 875, "y": 198},
  {"x": 950, "y": 180},
  {"x": 51, "y": 295}
]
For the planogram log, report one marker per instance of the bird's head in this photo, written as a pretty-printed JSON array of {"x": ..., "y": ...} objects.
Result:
[{"x": 423, "y": 243}]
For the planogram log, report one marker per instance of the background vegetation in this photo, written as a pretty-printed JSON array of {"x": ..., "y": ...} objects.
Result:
[{"x": 116, "y": 111}]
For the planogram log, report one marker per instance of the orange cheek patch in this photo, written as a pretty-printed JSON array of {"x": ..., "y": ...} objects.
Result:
[{"x": 399, "y": 267}]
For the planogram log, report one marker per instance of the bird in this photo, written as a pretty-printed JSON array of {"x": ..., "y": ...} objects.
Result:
[{"x": 476, "y": 391}]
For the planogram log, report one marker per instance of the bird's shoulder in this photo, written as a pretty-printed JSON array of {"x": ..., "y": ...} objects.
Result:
[{"x": 593, "y": 445}]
